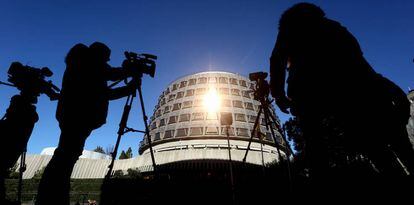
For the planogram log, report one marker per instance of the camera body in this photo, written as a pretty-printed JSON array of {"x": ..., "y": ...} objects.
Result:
[
  {"x": 32, "y": 80},
  {"x": 262, "y": 87},
  {"x": 140, "y": 63}
]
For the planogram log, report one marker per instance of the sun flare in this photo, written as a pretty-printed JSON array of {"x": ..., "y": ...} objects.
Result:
[{"x": 211, "y": 101}]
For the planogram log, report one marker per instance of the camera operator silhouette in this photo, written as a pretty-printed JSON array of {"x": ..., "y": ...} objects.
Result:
[
  {"x": 330, "y": 82},
  {"x": 17, "y": 124},
  {"x": 82, "y": 108}
]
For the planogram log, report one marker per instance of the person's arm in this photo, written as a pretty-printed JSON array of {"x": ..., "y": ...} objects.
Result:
[
  {"x": 120, "y": 92},
  {"x": 116, "y": 73},
  {"x": 278, "y": 62}
]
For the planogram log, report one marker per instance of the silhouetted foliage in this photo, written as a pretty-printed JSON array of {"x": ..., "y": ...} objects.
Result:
[
  {"x": 99, "y": 149},
  {"x": 39, "y": 173}
]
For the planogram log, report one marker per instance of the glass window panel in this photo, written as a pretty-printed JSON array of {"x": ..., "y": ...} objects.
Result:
[
  {"x": 212, "y": 131},
  {"x": 248, "y": 105},
  {"x": 202, "y": 80},
  {"x": 198, "y": 116},
  {"x": 168, "y": 134},
  {"x": 196, "y": 131},
  {"x": 235, "y": 92},
  {"x": 189, "y": 93},
  {"x": 224, "y": 131},
  {"x": 187, "y": 104},
  {"x": 240, "y": 117},
  {"x": 192, "y": 81},
  {"x": 172, "y": 119},
  {"x": 176, "y": 106},
  {"x": 224, "y": 91},
  {"x": 242, "y": 132},
  {"x": 183, "y": 84},
  {"x": 238, "y": 103},
  {"x": 233, "y": 81},
  {"x": 182, "y": 132},
  {"x": 184, "y": 117},
  {"x": 180, "y": 94},
  {"x": 223, "y": 80}
]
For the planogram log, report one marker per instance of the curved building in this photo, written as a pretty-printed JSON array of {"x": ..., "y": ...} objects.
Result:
[{"x": 187, "y": 119}]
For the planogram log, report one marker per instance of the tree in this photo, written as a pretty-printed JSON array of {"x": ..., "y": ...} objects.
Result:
[
  {"x": 99, "y": 149},
  {"x": 109, "y": 149},
  {"x": 123, "y": 155},
  {"x": 38, "y": 174},
  {"x": 129, "y": 153},
  {"x": 294, "y": 134}
]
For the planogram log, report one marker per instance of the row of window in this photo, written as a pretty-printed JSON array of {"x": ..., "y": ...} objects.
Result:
[
  {"x": 206, "y": 131},
  {"x": 204, "y": 80},
  {"x": 238, "y": 117},
  {"x": 199, "y": 103},
  {"x": 202, "y": 91}
]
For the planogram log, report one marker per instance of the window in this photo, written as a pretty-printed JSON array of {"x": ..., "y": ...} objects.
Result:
[
  {"x": 202, "y": 80},
  {"x": 180, "y": 94},
  {"x": 162, "y": 122},
  {"x": 184, "y": 117},
  {"x": 224, "y": 91},
  {"x": 212, "y": 131},
  {"x": 167, "y": 91},
  {"x": 212, "y": 80},
  {"x": 172, "y": 120},
  {"x": 248, "y": 105},
  {"x": 223, "y": 80},
  {"x": 196, "y": 131},
  {"x": 183, "y": 84},
  {"x": 238, "y": 103},
  {"x": 243, "y": 83},
  {"x": 153, "y": 125},
  {"x": 158, "y": 113},
  {"x": 176, "y": 106},
  {"x": 252, "y": 118},
  {"x": 200, "y": 91},
  {"x": 246, "y": 94},
  {"x": 162, "y": 102},
  {"x": 240, "y": 117},
  {"x": 187, "y": 104},
  {"x": 224, "y": 131},
  {"x": 198, "y": 116},
  {"x": 168, "y": 134},
  {"x": 242, "y": 132},
  {"x": 263, "y": 122},
  {"x": 189, "y": 93},
  {"x": 212, "y": 116},
  {"x": 171, "y": 97},
  {"x": 192, "y": 81},
  {"x": 233, "y": 81},
  {"x": 157, "y": 136},
  {"x": 251, "y": 86},
  {"x": 166, "y": 109},
  {"x": 175, "y": 86},
  {"x": 182, "y": 132},
  {"x": 226, "y": 103},
  {"x": 235, "y": 92},
  {"x": 269, "y": 136}
]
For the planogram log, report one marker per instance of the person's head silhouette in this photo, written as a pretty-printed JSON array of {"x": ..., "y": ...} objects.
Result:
[
  {"x": 301, "y": 13},
  {"x": 77, "y": 54},
  {"x": 100, "y": 51}
]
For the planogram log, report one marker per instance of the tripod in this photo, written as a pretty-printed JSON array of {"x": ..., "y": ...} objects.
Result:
[
  {"x": 22, "y": 168},
  {"x": 270, "y": 120},
  {"x": 124, "y": 129}
]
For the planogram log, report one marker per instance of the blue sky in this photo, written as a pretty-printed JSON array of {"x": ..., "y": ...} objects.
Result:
[{"x": 188, "y": 37}]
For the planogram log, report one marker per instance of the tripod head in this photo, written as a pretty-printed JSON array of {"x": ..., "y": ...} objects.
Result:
[{"x": 262, "y": 87}]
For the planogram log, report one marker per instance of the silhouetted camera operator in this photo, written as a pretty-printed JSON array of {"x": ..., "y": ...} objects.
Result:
[
  {"x": 21, "y": 116},
  {"x": 82, "y": 108},
  {"x": 330, "y": 81}
]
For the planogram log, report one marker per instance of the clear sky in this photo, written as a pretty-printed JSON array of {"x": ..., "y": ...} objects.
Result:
[{"x": 188, "y": 37}]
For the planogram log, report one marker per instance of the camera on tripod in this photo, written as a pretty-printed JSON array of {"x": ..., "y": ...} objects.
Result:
[
  {"x": 32, "y": 80},
  {"x": 262, "y": 87},
  {"x": 140, "y": 63}
]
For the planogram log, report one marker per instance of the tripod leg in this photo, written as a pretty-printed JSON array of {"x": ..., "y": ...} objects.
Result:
[
  {"x": 268, "y": 121},
  {"x": 146, "y": 128},
  {"x": 256, "y": 123},
  {"x": 121, "y": 131},
  {"x": 21, "y": 170}
]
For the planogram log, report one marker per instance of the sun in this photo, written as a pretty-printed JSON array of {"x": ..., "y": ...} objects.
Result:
[{"x": 212, "y": 100}]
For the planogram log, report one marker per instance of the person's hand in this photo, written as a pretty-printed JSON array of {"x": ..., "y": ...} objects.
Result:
[{"x": 284, "y": 103}]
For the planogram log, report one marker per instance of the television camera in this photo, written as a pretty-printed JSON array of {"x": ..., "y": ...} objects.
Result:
[{"x": 31, "y": 80}]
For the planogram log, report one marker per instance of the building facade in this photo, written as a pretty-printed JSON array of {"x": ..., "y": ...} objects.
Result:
[{"x": 410, "y": 126}]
